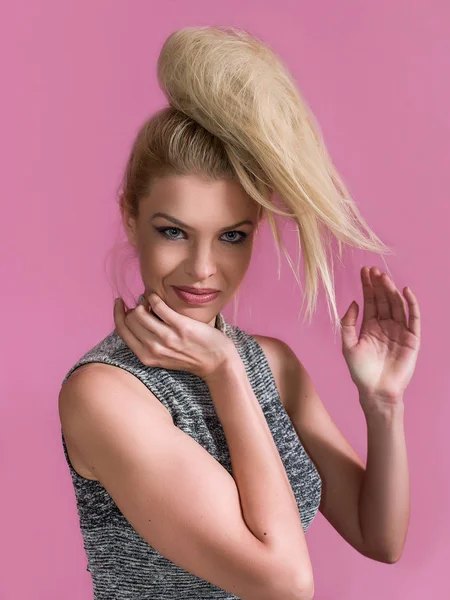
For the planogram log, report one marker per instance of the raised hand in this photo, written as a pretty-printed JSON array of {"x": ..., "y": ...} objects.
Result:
[{"x": 383, "y": 358}]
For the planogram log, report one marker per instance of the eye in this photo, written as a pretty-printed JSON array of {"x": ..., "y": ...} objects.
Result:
[
  {"x": 240, "y": 239},
  {"x": 164, "y": 232}
]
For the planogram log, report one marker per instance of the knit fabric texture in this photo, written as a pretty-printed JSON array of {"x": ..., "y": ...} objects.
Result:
[{"x": 123, "y": 566}]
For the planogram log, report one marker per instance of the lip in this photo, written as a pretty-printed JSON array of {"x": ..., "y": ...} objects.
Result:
[
  {"x": 193, "y": 290},
  {"x": 195, "y": 299}
]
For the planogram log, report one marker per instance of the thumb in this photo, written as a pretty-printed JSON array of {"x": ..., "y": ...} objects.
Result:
[{"x": 348, "y": 322}]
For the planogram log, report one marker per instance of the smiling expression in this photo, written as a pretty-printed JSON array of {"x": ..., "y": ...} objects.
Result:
[{"x": 194, "y": 232}]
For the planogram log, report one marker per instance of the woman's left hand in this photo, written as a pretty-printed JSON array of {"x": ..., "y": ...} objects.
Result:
[{"x": 383, "y": 359}]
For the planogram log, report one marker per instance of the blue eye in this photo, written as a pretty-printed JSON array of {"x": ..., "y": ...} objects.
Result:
[
  {"x": 241, "y": 239},
  {"x": 163, "y": 231}
]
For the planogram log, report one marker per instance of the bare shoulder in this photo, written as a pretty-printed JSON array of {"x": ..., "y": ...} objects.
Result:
[
  {"x": 281, "y": 360},
  {"x": 105, "y": 375},
  {"x": 97, "y": 376}
]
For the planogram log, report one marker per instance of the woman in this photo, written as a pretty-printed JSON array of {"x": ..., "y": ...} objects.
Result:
[{"x": 147, "y": 410}]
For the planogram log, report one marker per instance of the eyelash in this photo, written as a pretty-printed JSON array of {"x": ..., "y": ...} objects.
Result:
[{"x": 242, "y": 239}]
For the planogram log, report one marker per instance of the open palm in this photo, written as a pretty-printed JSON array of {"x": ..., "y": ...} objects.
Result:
[{"x": 382, "y": 359}]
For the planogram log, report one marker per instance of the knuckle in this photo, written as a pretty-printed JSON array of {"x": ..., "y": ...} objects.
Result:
[
  {"x": 147, "y": 360},
  {"x": 186, "y": 330},
  {"x": 140, "y": 311},
  {"x": 152, "y": 355},
  {"x": 170, "y": 339}
]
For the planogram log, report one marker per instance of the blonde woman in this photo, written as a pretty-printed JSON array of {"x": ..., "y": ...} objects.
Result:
[{"x": 200, "y": 453}]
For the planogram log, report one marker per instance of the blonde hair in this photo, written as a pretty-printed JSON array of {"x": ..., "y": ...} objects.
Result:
[{"x": 235, "y": 112}]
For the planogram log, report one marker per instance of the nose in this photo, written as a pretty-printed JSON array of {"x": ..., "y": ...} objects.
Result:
[{"x": 201, "y": 263}]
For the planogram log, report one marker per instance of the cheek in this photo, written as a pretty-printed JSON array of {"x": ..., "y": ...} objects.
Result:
[
  {"x": 158, "y": 262},
  {"x": 236, "y": 265}
]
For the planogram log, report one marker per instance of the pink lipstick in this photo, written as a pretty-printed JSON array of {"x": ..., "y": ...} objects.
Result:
[{"x": 196, "y": 298}]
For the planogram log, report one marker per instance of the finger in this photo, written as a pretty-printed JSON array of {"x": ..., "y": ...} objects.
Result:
[
  {"x": 348, "y": 330},
  {"x": 381, "y": 299},
  {"x": 370, "y": 309},
  {"x": 146, "y": 325},
  {"x": 414, "y": 312},
  {"x": 144, "y": 301},
  {"x": 167, "y": 314},
  {"x": 397, "y": 302},
  {"x": 155, "y": 323},
  {"x": 124, "y": 331}
]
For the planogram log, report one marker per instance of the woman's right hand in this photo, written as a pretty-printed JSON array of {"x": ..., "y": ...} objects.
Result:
[{"x": 175, "y": 342}]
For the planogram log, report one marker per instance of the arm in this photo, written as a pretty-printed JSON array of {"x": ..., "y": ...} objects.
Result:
[
  {"x": 384, "y": 504},
  {"x": 169, "y": 488},
  {"x": 368, "y": 505},
  {"x": 350, "y": 510},
  {"x": 268, "y": 504}
]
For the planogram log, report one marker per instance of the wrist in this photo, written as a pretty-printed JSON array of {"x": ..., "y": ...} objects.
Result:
[
  {"x": 378, "y": 408},
  {"x": 229, "y": 365}
]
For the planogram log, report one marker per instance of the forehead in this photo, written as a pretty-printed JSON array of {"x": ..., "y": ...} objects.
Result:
[{"x": 192, "y": 195}]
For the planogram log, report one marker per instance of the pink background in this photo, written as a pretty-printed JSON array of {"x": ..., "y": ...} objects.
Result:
[{"x": 78, "y": 78}]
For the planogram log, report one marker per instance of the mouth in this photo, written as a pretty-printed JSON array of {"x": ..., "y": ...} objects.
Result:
[
  {"x": 193, "y": 290},
  {"x": 196, "y": 295}
]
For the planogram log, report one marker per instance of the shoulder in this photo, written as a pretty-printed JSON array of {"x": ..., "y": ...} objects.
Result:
[
  {"x": 101, "y": 377},
  {"x": 293, "y": 381},
  {"x": 89, "y": 386},
  {"x": 283, "y": 363},
  {"x": 276, "y": 350}
]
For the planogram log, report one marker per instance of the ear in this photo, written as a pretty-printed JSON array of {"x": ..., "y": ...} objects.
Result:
[{"x": 129, "y": 223}]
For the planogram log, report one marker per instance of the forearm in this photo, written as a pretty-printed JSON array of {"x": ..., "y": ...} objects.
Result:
[
  {"x": 267, "y": 500},
  {"x": 384, "y": 505}
]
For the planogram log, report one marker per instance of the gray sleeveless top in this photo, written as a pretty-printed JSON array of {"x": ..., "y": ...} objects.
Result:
[{"x": 122, "y": 564}]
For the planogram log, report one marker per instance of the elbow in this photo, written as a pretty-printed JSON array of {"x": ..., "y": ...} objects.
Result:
[
  {"x": 303, "y": 589},
  {"x": 302, "y": 593},
  {"x": 388, "y": 554},
  {"x": 291, "y": 585},
  {"x": 391, "y": 559},
  {"x": 388, "y": 558},
  {"x": 306, "y": 592}
]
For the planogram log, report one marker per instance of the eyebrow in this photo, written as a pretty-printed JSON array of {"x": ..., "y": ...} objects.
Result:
[{"x": 181, "y": 224}]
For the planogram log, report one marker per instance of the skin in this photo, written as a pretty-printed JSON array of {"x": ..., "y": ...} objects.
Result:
[
  {"x": 367, "y": 504},
  {"x": 202, "y": 256}
]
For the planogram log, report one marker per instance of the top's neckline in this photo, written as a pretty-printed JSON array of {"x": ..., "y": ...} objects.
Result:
[{"x": 220, "y": 323}]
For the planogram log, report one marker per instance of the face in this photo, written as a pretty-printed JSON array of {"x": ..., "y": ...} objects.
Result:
[{"x": 198, "y": 243}]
